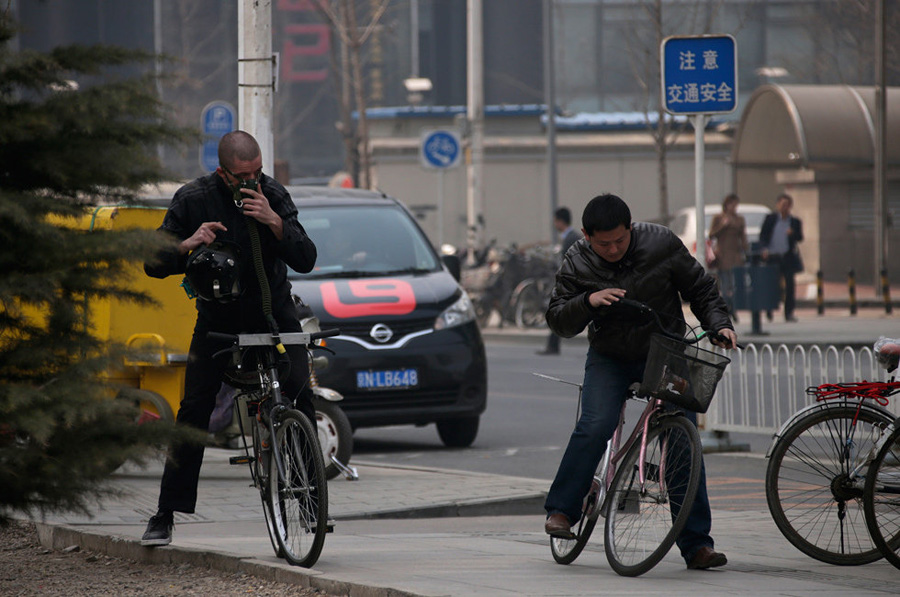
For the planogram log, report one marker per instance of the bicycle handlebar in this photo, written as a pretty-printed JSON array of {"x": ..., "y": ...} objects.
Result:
[{"x": 645, "y": 309}]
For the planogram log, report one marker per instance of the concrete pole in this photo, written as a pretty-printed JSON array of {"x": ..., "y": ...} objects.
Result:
[
  {"x": 550, "y": 100},
  {"x": 256, "y": 76},
  {"x": 699, "y": 163},
  {"x": 475, "y": 115},
  {"x": 880, "y": 237}
]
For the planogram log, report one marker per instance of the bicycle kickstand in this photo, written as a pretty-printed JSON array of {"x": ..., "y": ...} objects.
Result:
[{"x": 348, "y": 471}]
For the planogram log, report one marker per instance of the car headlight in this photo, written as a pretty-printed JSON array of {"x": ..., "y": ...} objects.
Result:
[{"x": 456, "y": 314}]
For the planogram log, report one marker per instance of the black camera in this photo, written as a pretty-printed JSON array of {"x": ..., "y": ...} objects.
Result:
[{"x": 248, "y": 184}]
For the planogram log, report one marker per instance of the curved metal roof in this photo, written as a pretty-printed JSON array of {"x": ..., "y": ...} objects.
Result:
[{"x": 814, "y": 126}]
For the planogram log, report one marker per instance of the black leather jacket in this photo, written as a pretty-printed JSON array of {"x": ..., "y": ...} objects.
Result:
[
  {"x": 208, "y": 199},
  {"x": 656, "y": 269}
]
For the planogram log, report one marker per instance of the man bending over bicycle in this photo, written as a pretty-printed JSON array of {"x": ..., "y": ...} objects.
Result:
[
  {"x": 647, "y": 263},
  {"x": 214, "y": 219}
]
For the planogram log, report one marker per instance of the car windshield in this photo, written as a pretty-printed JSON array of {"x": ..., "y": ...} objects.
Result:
[{"x": 365, "y": 240}]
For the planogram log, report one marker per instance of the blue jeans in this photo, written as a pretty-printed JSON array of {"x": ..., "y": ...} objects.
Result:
[{"x": 606, "y": 381}]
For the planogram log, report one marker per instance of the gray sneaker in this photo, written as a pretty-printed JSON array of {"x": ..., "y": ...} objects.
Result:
[{"x": 159, "y": 530}]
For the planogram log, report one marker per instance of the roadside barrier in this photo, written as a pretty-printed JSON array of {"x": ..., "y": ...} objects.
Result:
[{"x": 763, "y": 386}]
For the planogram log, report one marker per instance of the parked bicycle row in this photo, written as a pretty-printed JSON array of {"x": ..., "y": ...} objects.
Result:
[{"x": 512, "y": 283}]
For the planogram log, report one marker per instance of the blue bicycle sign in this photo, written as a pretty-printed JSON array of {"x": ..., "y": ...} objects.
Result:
[{"x": 439, "y": 149}]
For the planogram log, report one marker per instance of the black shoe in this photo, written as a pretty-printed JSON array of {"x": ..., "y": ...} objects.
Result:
[
  {"x": 159, "y": 529},
  {"x": 790, "y": 319},
  {"x": 546, "y": 352}
]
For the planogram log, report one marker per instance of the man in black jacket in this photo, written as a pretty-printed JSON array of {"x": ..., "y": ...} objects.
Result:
[
  {"x": 646, "y": 263},
  {"x": 778, "y": 240},
  {"x": 562, "y": 221},
  {"x": 221, "y": 207}
]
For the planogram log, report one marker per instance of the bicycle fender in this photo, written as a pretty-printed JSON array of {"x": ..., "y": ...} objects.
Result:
[
  {"x": 327, "y": 394},
  {"x": 867, "y": 405},
  {"x": 520, "y": 287}
]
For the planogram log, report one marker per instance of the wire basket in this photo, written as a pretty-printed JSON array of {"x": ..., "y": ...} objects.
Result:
[{"x": 682, "y": 373}]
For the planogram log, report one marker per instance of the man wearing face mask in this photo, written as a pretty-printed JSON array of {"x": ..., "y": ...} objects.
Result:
[{"x": 223, "y": 209}]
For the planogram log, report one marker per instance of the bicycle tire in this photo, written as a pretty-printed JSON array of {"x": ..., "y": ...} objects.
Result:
[
  {"x": 881, "y": 500},
  {"x": 299, "y": 501},
  {"x": 530, "y": 307},
  {"x": 565, "y": 551},
  {"x": 808, "y": 478},
  {"x": 260, "y": 465},
  {"x": 642, "y": 523}
]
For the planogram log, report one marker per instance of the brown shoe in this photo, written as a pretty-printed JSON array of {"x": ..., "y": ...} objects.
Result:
[
  {"x": 707, "y": 558},
  {"x": 557, "y": 525}
]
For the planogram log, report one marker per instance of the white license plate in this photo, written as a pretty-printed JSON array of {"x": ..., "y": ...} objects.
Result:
[{"x": 388, "y": 379}]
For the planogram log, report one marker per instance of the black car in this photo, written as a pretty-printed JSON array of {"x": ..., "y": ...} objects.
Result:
[{"x": 410, "y": 351}]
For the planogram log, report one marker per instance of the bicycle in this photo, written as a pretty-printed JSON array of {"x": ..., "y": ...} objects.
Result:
[
  {"x": 645, "y": 487},
  {"x": 881, "y": 495},
  {"x": 289, "y": 472},
  {"x": 817, "y": 471}
]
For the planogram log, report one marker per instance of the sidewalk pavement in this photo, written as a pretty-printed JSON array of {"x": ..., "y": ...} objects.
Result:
[{"x": 417, "y": 531}]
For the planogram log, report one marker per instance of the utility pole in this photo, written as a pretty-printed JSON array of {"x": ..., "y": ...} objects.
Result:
[
  {"x": 256, "y": 80},
  {"x": 475, "y": 116},
  {"x": 880, "y": 205},
  {"x": 550, "y": 100}
]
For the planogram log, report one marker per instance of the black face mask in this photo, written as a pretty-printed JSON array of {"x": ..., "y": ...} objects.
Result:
[{"x": 250, "y": 183}]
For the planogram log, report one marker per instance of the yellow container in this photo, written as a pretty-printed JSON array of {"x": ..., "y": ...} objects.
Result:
[{"x": 161, "y": 334}]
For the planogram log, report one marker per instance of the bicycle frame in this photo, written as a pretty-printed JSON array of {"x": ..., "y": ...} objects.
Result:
[{"x": 616, "y": 451}]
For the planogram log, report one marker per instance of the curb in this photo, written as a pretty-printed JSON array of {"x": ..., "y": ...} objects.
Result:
[{"x": 60, "y": 537}]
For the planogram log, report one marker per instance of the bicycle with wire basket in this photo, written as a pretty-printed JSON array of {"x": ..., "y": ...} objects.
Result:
[
  {"x": 818, "y": 468},
  {"x": 284, "y": 455},
  {"x": 645, "y": 485}
]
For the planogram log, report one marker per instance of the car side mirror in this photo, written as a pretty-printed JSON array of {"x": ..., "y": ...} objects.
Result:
[{"x": 453, "y": 265}]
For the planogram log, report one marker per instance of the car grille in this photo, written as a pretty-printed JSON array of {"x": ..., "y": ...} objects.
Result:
[
  {"x": 375, "y": 401},
  {"x": 400, "y": 328}
]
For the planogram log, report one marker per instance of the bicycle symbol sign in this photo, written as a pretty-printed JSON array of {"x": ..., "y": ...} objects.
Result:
[{"x": 439, "y": 149}]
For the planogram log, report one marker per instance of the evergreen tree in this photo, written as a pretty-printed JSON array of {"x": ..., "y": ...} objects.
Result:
[{"x": 64, "y": 148}]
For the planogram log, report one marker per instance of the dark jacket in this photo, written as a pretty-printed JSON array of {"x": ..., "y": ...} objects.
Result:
[
  {"x": 209, "y": 199},
  {"x": 571, "y": 237},
  {"x": 657, "y": 270},
  {"x": 792, "y": 259}
]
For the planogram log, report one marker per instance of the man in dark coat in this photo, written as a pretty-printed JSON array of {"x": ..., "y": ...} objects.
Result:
[
  {"x": 221, "y": 207},
  {"x": 778, "y": 240},
  {"x": 562, "y": 221},
  {"x": 646, "y": 263}
]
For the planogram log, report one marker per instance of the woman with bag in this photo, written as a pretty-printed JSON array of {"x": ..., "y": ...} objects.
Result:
[{"x": 728, "y": 235}]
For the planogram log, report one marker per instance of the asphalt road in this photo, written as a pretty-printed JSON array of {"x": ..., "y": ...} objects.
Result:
[{"x": 527, "y": 425}]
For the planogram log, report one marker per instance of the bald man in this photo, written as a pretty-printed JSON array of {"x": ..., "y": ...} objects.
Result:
[{"x": 221, "y": 207}]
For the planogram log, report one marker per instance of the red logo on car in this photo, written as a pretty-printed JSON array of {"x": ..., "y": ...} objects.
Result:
[{"x": 361, "y": 298}]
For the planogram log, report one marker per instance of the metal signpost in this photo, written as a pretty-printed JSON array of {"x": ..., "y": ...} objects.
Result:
[
  {"x": 440, "y": 150},
  {"x": 699, "y": 78},
  {"x": 216, "y": 119}
]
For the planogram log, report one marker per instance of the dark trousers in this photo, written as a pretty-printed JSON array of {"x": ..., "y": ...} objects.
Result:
[
  {"x": 202, "y": 380},
  {"x": 605, "y": 382},
  {"x": 786, "y": 271}
]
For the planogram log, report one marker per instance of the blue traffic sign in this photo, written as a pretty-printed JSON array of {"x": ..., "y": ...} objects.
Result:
[
  {"x": 216, "y": 119},
  {"x": 699, "y": 74},
  {"x": 439, "y": 149}
]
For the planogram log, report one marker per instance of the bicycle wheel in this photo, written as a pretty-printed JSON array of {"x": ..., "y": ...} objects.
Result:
[
  {"x": 566, "y": 550},
  {"x": 882, "y": 499},
  {"x": 261, "y": 466},
  {"x": 530, "y": 307},
  {"x": 642, "y": 522},
  {"x": 300, "y": 500},
  {"x": 814, "y": 484}
]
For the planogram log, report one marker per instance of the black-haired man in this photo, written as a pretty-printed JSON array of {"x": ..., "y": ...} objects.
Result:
[{"x": 646, "y": 263}]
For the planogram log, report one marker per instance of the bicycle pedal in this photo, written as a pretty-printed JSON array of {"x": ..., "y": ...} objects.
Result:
[{"x": 240, "y": 460}]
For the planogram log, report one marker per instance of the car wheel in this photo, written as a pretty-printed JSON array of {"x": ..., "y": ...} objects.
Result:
[
  {"x": 335, "y": 435},
  {"x": 458, "y": 432}
]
